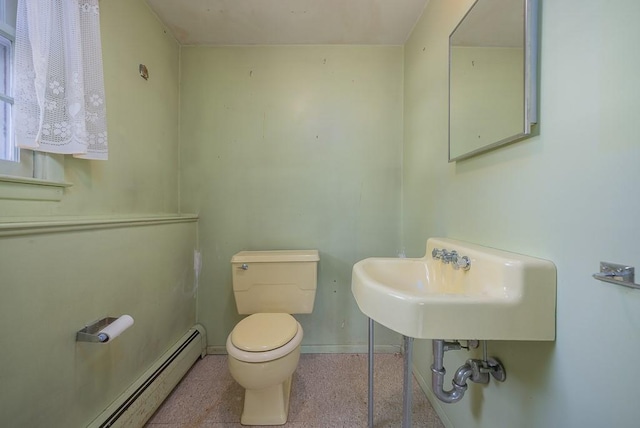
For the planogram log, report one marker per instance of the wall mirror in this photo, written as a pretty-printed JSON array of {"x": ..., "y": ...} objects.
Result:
[{"x": 492, "y": 76}]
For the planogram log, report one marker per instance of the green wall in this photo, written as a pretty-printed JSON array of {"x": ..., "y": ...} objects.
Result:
[
  {"x": 69, "y": 271},
  {"x": 568, "y": 195},
  {"x": 293, "y": 147},
  {"x": 53, "y": 284},
  {"x": 343, "y": 149}
]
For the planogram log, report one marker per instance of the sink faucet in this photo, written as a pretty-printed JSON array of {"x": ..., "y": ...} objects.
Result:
[{"x": 451, "y": 257}]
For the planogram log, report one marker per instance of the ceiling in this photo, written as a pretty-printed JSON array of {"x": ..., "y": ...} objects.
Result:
[{"x": 283, "y": 22}]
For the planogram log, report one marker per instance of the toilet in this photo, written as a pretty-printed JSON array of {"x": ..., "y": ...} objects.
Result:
[{"x": 264, "y": 348}]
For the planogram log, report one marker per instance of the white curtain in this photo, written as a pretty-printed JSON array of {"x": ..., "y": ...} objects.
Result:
[{"x": 59, "y": 87}]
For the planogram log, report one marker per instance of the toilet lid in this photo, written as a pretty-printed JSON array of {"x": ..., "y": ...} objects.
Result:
[{"x": 264, "y": 332}]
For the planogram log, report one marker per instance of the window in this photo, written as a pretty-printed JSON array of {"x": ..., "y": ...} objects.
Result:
[
  {"x": 13, "y": 161},
  {"x": 21, "y": 171},
  {"x": 6, "y": 101}
]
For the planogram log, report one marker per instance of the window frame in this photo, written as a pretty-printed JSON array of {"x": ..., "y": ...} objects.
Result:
[{"x": 29, "y": 175}]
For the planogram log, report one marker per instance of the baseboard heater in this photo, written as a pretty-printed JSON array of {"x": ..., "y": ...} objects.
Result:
[{"x": 138, "y": 403}]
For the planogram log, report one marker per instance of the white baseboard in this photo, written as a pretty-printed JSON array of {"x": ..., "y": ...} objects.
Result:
[{"x": 138, "y": 403}]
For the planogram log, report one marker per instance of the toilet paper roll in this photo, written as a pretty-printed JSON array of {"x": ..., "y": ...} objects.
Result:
[{"x": 114, "y": 329}]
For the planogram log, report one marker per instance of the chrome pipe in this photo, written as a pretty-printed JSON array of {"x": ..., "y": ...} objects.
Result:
[
  {"x": 370, "y": 392},
  {"x": 463, "y": 374},
  {"x": 407, "y": 384},
  {"x": 438, "y": 371}
]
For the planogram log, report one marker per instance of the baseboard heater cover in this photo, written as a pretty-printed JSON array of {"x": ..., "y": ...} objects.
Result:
[{"x": 138, "y": 403}]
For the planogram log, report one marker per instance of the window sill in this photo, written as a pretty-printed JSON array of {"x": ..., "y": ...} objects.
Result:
[{"x": 31, "y": 189}]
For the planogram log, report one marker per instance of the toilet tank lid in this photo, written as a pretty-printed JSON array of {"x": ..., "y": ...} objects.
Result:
[{"x": 276, "y": 256}]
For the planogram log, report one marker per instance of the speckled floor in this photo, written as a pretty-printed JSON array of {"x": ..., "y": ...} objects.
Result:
[{"x": 329, "y": 390}]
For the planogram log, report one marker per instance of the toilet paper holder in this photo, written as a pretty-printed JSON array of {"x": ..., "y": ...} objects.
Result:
[{"x": 105, "y": 329}]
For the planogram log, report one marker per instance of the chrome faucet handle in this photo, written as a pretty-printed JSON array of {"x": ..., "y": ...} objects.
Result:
[
  {"x": 437, "y": 253},
  {"x": 463, "y": 263}
]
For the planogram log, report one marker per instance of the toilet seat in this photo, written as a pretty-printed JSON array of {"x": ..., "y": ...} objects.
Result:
[
  {"x": 266, "y": 355},
  {"x": 264, "y": 331}
]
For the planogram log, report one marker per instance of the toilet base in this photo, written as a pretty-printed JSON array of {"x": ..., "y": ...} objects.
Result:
[{"x": 268, "y": 406}]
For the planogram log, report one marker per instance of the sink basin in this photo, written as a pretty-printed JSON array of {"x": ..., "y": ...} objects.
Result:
[{"x": 502, "y": 296}]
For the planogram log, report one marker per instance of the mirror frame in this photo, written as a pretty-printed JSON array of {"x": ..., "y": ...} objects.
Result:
[{"x": 530, "y": 89}]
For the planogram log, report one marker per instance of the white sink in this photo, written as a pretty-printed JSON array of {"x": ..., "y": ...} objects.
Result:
[{"x": 502, "y": 296}]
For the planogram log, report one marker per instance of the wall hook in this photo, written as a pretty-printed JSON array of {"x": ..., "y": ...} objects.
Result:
[{"x": 144, "y": 73}]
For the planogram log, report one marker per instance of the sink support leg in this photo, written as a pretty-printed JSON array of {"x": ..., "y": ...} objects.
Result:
[
  {"x": 370, "y": 393},
  {"x": 407, "y": 384}
]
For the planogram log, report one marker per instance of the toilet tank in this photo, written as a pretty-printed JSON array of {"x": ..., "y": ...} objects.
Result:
[{"x": 275, "y": 281}]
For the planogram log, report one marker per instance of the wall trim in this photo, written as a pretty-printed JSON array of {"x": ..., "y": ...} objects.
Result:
[
  {"x": 61, "y": 225},
  {"x": 31, "y": 189}
]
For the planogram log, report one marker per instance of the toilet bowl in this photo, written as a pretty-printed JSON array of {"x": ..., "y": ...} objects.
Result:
[{"x": 264, "y": 350}]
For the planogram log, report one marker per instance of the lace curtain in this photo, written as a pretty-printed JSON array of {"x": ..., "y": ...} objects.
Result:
[{"x": 59, "y": 87}]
